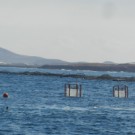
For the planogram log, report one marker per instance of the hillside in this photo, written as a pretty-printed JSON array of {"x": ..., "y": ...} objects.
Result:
[{"x": 9, "y": 58}]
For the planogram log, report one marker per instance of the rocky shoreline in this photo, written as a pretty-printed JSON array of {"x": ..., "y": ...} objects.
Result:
[{"x": 86, "y": 77}]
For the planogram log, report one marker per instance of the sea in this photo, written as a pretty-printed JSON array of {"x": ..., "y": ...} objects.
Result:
[{"x": 37, "y": 105}]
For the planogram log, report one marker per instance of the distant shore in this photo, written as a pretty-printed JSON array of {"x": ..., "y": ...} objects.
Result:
[
  {"x": 81, "y": 66},
  {"x": 94, "y": 67},
  {"x": 86, "y": 77}
]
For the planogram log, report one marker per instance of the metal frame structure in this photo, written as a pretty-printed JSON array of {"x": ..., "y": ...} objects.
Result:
[
  {"x": 70, "y": 87},
  {"x": 120, "y": 89}
]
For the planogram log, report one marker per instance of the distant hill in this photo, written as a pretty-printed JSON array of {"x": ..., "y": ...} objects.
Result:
[{"x": 9, "y": 58}]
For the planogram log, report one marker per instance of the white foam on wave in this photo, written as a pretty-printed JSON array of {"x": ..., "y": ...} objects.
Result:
[
  {"x": 67, "y": 108},
  {"x": 75, "y": 108},
  {"x": 117, "y": 108},
  {"x": 66, "y": 70},
  {"x": 78, "y": 109}
]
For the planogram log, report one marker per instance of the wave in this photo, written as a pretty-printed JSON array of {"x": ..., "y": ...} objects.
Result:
[
  {"x": 81, "y": 109},
  {"x": 116, "y": 108},
  {"x": 55, "y": 107},
  {"x": 82, "y": 76},
  {"x": 66, "y": 108},
  {"x": 66, "y": 70}
]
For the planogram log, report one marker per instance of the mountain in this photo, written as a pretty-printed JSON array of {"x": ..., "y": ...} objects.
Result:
[{"x": 10, "y": 58}]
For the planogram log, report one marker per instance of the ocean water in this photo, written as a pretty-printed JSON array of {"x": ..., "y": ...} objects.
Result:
[{"x": 37, "y": 105}]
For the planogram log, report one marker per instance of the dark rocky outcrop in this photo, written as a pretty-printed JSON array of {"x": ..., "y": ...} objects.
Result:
[
  {"x": 95, "y": 67},
  {"x": 87, "y": 77}
]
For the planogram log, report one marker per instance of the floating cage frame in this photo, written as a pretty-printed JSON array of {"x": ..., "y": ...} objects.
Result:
[
  {"x": 73, "y": 90},
  {"x": 120, "y": 91}
]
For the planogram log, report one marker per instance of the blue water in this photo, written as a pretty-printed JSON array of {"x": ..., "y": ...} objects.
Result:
[
  {"x": 37, "y": 106},
  {"x": 63, "y": 71}
]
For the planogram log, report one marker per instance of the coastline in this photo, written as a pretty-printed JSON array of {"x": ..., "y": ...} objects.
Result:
[{"x": 86, "y": 77}]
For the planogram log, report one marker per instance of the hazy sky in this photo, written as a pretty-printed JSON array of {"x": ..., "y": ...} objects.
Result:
[{"x": 71, "y": 30}]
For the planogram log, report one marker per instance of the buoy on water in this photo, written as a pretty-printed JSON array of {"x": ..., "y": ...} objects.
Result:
[{"x": 5, "y": 95}]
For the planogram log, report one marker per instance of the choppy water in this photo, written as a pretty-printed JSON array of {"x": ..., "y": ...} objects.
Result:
[{"x": 37, "y": 106}]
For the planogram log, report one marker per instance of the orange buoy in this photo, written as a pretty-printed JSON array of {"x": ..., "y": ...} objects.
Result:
[{"x": 5, "y": 95}]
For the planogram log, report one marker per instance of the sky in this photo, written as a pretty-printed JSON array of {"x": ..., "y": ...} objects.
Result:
[{"x": 70, "y": 30}]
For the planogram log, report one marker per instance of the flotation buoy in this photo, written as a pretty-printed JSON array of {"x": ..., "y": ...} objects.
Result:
[{"x": 5, "y": 95}]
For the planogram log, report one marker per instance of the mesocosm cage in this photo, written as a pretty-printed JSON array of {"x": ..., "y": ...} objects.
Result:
[
  {"x": 120, "y": 91},
  {"x": 73, "y": 90}
]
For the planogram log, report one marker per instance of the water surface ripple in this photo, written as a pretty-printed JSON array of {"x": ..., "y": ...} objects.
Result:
[{"x": 37, "y": 106}]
